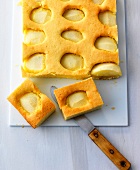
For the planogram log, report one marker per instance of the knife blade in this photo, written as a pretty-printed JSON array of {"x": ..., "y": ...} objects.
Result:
[{"x": 106, "y": 147}]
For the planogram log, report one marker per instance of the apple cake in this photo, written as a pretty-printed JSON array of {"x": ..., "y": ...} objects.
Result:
[
  {"x": 70, "y": 38},
  {"x": 33, "y": 105},
  {"x": 79, "y": 98}
]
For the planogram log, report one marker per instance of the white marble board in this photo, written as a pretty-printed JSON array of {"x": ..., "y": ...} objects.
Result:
[{"x": 114, "y": 92}]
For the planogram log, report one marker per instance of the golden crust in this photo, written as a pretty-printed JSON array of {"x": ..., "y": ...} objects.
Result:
[
  {"x": 88, "y": 86},
  {"x": 44, "y": 109},
  {"x": 54, "y": 46}
]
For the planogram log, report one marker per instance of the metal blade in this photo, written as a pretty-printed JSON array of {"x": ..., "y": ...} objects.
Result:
[
  {"x": 84, "y": 123},
  {"x": 52, "y": 93},
  {"x": 82, "y": 120}
]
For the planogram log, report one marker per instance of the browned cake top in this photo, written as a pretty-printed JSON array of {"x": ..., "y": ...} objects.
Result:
[
  {"x": 78, "y": 98},
  {"x": 33, "y": 105},
  {"x": 54, "y": 44}
]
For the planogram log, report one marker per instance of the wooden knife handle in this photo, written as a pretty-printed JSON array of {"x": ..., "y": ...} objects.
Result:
[{"x": 113, "y": 154}]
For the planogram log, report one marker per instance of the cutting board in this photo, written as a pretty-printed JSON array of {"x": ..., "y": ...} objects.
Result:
[{"x": 114, "y": 92}]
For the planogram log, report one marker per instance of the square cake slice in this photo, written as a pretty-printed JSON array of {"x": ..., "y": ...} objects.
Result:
[
  {"x": 78, "y": 98},
  {"x": 33, "y": 105},
  {"x": 70, "y": 39}
]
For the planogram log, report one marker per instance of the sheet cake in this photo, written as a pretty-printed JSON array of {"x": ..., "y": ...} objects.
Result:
[{"x": 70, "y": 38}]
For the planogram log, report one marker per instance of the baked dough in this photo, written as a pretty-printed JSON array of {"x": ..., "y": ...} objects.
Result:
[
  {"x": 78, "y": 98},
  {"x": 60, "y": 27},
  {"x": 33, "y": 105}
]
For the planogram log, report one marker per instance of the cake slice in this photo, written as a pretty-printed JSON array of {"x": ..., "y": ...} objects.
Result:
[
  {"x": 79, "y": 98},
  {"x": 33, "y": 105}
]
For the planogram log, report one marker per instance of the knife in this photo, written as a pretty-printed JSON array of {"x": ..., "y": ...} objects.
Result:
[{"x": 106, "y": 147}]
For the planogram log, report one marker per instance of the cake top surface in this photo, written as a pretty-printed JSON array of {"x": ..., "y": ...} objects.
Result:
[{"x": 66, "y": 32}]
